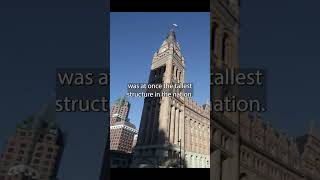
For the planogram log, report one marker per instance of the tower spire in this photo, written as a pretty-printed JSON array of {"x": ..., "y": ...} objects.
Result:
[
  {"x": 172, "y": 34},
  {"x": 171, "y": 37},
  {"x": 170, "y": 43}
]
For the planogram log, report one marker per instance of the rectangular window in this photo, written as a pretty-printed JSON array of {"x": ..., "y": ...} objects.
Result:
[
  {"x": 23, "y": 145},
  {"x": 22, "y": 133}
]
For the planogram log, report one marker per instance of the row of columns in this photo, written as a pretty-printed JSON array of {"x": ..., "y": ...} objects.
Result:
[
  {"x": 215, "y": 157},
  {"x": 176, "y": 126},
  {"x": 224, "y": 167}
]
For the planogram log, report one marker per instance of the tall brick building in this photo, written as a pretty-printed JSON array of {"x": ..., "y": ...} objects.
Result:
[
  {"x": 34, "y": 150},
  {"x": 122, "y": 132},
  {"x": 120, "y": 110}
]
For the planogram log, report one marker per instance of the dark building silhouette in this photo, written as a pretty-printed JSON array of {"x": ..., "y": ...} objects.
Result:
[
  {"x": 120, "y": 159},
  {"x": 244, "y": 146},
  {"x": 35, "y": 149}
]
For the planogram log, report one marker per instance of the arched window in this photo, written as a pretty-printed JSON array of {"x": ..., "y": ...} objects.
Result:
[
  {"x": 173, "y": 70},
  {"x": 225, "y": 47},
  {"x": 214, "y": 34},
  {"x": 176, "y": 73}
]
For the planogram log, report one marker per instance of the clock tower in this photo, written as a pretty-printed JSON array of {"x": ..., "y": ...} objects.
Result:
[{"x": 161, "y": 132}]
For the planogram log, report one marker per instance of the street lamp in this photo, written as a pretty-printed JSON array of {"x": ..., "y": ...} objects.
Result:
[{"x": 180, "y": 157}]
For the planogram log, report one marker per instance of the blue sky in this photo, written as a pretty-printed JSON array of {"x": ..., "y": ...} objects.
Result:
[
  {"x": 285, "y": 43},
  {"x": 136, "y": 36},
  {"x": 32, "y": 46}
]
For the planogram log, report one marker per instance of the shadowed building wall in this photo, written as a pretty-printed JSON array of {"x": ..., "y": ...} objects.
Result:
[
  {"x": 224, "y": 148},
  {"x": 243, "y": 146},
  {"x": 268, "y": 154}
]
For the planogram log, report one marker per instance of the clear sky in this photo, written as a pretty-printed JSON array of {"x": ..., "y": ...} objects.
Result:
[
  {"x": 136, "y": 36},
  {"x": 34, "y": 42},
  {"x": 283, "y": 37}
]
